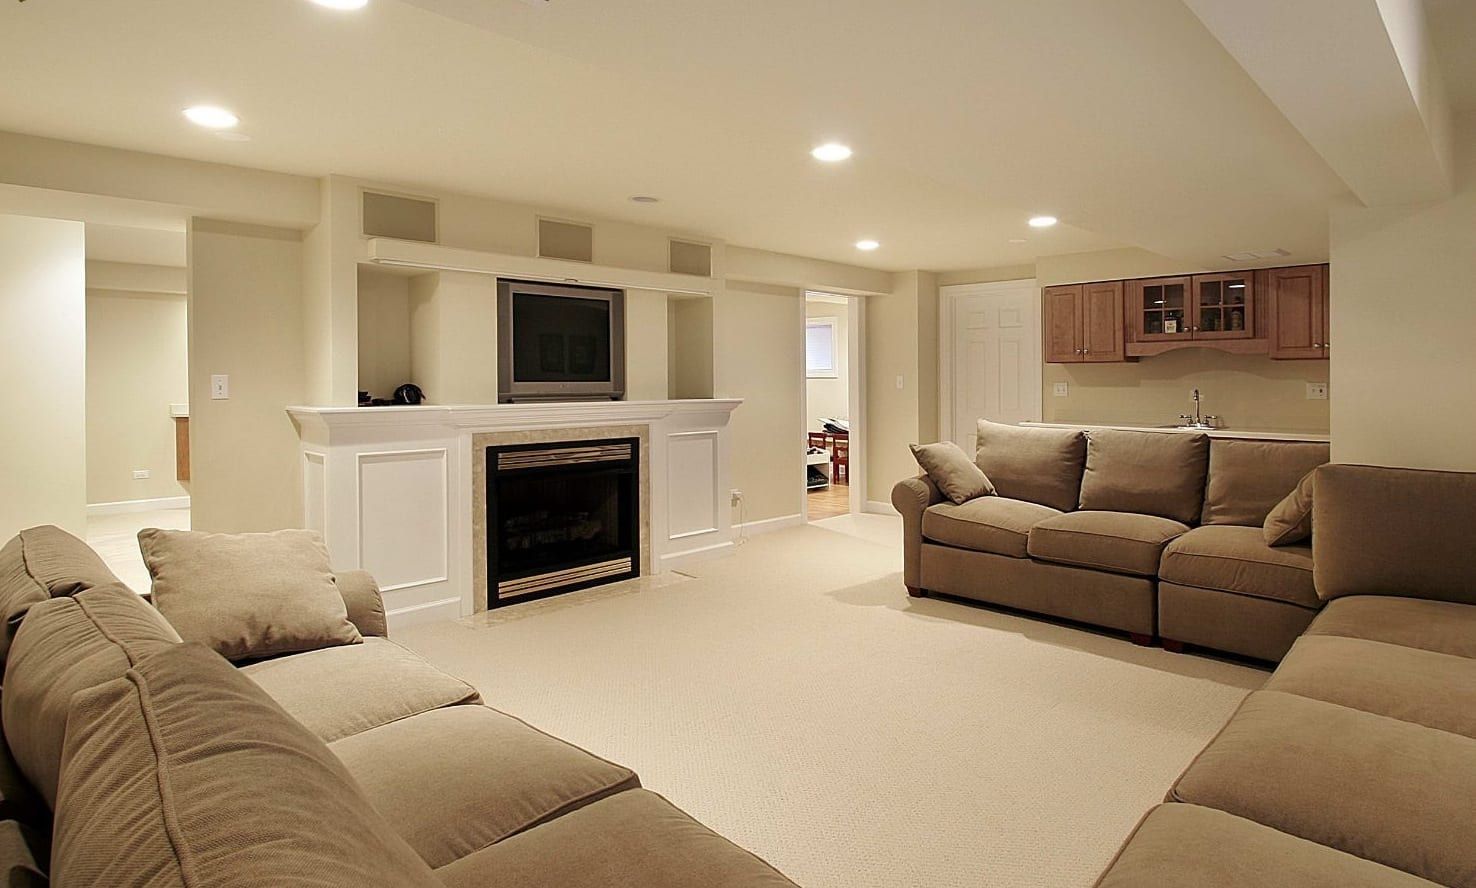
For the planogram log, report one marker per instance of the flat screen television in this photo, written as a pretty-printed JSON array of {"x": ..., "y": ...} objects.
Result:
[{"x": 559, "y": 342}]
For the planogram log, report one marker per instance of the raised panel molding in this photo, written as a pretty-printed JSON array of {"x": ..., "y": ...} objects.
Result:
[
  {"x": 403, "y": 532},
  {"x": 692, "y": 483},
  {"x": 315, "y": 491}
]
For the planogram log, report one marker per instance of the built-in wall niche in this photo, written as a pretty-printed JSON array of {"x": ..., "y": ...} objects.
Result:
[
  {"x": 689, "y": 257},
  {"x": 558, "y": 239},
  {"x": 384, "y": 331},
  {"x": 689, "y": 346},
  {"x": 399, "y": 216}
]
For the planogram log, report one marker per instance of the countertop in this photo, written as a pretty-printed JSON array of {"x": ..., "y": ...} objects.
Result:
[{"x": 1251, "y": 434}]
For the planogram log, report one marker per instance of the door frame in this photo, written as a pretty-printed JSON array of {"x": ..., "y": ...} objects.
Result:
[
  {"x": 855, "y": 396},
  {"x": 947, "y": 308}
]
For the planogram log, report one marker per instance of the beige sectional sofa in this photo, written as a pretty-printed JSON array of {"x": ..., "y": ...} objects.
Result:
[
  {"x": 1156, "y": 534},
  {"x": 1355, "y": 765},
  {"x": 134, "y": 759}
]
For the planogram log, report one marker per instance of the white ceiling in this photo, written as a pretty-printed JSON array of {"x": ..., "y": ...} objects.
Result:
[{"x": 1127, "y": 120}]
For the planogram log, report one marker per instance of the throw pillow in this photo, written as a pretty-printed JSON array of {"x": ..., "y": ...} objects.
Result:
[
  {"x": 247, "y": 595},
  {"x": 951, "y": 469},
  {"x": 1291, "y": 520}
]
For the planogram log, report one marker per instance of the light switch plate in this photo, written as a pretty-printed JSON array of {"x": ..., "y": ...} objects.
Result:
[
  {"x": 141, "y": 474},
  {"x": 1317, "y": 391},
  {"x": 899, "y": 383},
  {"x": 1061, "y": 390},
  {"x": 220, "y": 387}
]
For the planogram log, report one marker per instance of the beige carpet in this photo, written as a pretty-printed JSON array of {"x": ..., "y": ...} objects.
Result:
[{"x": 795, "y": 699}]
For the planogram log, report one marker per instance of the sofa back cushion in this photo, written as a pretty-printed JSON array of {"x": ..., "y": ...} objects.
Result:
[
  {"x": 22, "y": 856},
  {"x": 1248, "y": 478},
  {"x": 182, "y": 772},
  {"x": 1035, "y": 465},
  {"x": 1151, "y": 473},
  {"x": 1382, "y": 531},
  {"x": 40, "y": 563},
  {"x": 64, "y": 646}
]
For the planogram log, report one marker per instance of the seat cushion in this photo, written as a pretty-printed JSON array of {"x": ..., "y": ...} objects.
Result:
[
  {"x": 1248, "y": 478},
  {"x": 456, "y": 780},
  {"x": 1201, "y": 847},
  {"x": 339, "y": 691},
  {"x": 1387, "y": 531},
  {"x": 994, "y": 524},
  {"x": 1441, "y": 626},
  {"x": 1031, "y": 464},
  {"x": 184, "y": 773},
  {"x": 23, "y": 856},
  {"x": 1116, "y": 541},
  {"x": 1152, "y": 473},
  {"x": 1398, "y": 793},
  {"x": 634, "y": 839},
  {"x": 1229, "y": 558},
  {"x": 1435, "y": 690},
  {"x": 41, "y": 563},
  {"x": 67, "y": 645}
]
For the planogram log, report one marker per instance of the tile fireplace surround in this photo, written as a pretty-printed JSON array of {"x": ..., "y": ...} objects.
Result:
[{"x": 401, "y": 491}]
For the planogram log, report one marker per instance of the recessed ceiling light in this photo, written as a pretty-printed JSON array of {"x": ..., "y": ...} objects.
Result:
[
  {"x": 831, "y": 152},
  {"x": 867, "y": 245},
  {"x": 342, "y": 4},
  {"x": 211, "y": 117},
  {"x": 1042, "y": 221},
  {"x": 645, "y": 198}
]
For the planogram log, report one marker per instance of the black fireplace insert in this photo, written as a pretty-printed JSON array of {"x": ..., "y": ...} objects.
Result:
[{"x": 561, "y": 516}]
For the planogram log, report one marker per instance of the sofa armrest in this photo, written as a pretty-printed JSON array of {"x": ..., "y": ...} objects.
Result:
[
  {"x": 365, "y": 604},
  {"x": 911, "y": 497}
]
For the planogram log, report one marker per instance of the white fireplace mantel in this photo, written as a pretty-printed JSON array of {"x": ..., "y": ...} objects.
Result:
[{"x": 390, "y": 488}]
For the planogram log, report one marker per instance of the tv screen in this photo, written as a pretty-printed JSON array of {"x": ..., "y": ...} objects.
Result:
[{"x": 560, "y": 338}]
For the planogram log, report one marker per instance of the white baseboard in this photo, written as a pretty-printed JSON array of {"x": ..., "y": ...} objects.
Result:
[
  {"x": 429, "y": 612},
  {"x": 877, "y": 507},
  {"x": 769, "y": 525},
  {"x": 676, "y": 560},
  {"x": 142, "y": 505}
]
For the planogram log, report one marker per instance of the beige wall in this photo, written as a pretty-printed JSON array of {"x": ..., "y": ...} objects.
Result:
[
  {"x": 246, "y": 320},
  {"x": 43, "y": 362},
  {"x": 384, "y": 332},
  {"x": 137, "y": 365},
  {"x": 453, "y": 337},
  {"x": 646, "y": 344},
  {"x": 826, "y": 396},
  {"x": 759, "y": 356},
  {"x": 1404, "y": 323},
  {"x": 689, "y": 347},
  {"x": 901, "y": 342}
]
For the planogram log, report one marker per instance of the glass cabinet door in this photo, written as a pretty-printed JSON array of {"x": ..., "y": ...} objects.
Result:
[
  {"x": 1223, "y": 306},
  {"x": 1164, "y": 311}
]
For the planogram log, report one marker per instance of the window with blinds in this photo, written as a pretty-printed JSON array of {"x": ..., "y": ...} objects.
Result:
[{"x": 820, "y": 362}]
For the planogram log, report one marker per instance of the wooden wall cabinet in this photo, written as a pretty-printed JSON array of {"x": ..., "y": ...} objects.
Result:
[
  {"x": 1082, "y": 323},
  {"x": 1297, "y": 302}
]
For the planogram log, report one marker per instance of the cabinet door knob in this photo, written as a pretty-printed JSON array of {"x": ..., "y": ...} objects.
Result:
[{"x": 1317, "y": 345}]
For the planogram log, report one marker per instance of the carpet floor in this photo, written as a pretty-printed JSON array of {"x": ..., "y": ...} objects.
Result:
[{"x": 792, "y": 697}]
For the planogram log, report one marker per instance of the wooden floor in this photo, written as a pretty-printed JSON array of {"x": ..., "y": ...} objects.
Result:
[{"x": 829, "y": 502}]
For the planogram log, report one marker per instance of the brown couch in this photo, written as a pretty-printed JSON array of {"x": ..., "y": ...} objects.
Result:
[
  {"x": 132, "y": 758},
  {"x": 1356, "y": 764},
  {"x": 1156, "y": 534}
]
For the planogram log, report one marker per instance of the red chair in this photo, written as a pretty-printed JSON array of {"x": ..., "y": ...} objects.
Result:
[{"x": 840, "y": 460}]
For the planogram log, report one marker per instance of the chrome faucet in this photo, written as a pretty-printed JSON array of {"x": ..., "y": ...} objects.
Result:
[{"x": 1196, "y": 421}]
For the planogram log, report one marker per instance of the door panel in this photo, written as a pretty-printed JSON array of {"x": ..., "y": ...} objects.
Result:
[
  {"x": 1062, "y": 324},
  {"x": 1101, "y": 322},
  {"x": 1295, "y": 301},
  {"x": 996, "y": 360},
  {"x": 1224, "y": 306},
  {"x": 1162, "y": 310}
]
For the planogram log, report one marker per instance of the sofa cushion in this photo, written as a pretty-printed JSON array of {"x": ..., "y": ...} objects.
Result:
[
  {"x": 988, "y": 524},
  {"x": 41, "y": 563},
  {"x": 64, "y": 646},
  {"x": 1439, "y": 626},
  {"x": 362, "y": 601},
  {"x": 1430, "y": 689},
  {"x": 456, "y": 780},
  {"x": 1231, "y": 558},
  {"x": 247, "y": 595},
  {"x": 339, "y": 691},
  {"x": 1291, "y": 520},
  {"x": 23, "y": 856},
  {"x": 184, "y": 773},
  {"x": 1395, "y": 532},
  {"x": 1248, "y": 478},
  {"x": 1032, "y": 464},
  {"x": 950, "y": 469},
  {"x": 1116, "y": 541},
  {"x": 634, "y": 839},
  {"x": 1201, "y": 847},
  {"x": 1398, "y": 793},
  {"x": 1154, "y": 473},
  {"x": 19, "y": 800}
]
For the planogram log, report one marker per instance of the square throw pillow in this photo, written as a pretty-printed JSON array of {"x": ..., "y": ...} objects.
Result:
[
  {"x": 247, "y": 595},
  {"x": 952, "y": 470},
  {"x": 1291, "y": 520}
]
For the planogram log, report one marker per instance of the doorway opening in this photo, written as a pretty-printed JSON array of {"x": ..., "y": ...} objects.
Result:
[{"x": 832, "y": 400}]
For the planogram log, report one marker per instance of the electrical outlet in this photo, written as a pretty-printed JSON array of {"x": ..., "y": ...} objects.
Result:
[
  {"x": 1061, "y": 390},
  {"x": 141, "y": 474},
  {"x": 220, "y": 387},
  {"x": 900, "y": 383},
  {"x": 1317, "y": 391},
  {"x": 735, "y": 496}
]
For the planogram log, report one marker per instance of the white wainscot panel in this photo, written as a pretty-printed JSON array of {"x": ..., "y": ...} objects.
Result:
[
  {"x": 691, "y": 483},
  {"x": 403, "y": 517},
  {"x": 315, "y": 492}
]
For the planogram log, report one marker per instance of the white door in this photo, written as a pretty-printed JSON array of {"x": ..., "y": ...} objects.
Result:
[{"x": 991, "y": 361}]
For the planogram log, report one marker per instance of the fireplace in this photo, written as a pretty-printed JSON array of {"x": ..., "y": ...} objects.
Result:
[{"x": 561, "y": 516}]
